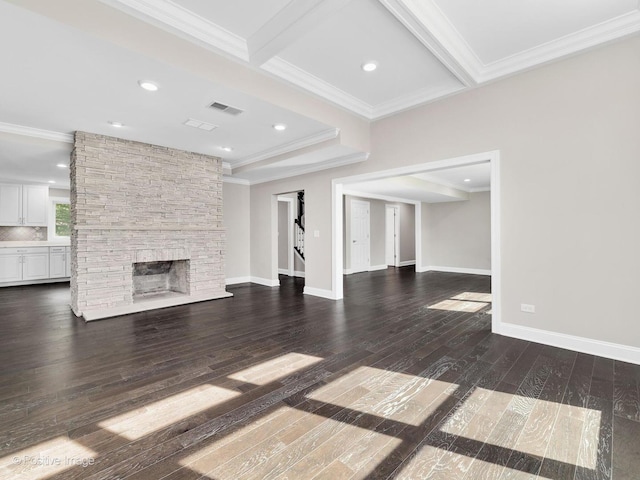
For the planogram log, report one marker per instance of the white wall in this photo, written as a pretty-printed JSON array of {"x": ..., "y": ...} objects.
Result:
[
  {"x": 407, "y": 232},
  {"x": 59, "y": 192},
  {"x": 568, "y": 139},
  {"x": 457, "y": 234},
  {"x": 238, "y": 228}
]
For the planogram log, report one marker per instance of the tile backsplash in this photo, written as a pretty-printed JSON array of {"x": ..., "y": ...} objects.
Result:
[{"x": 29, "y": 234}]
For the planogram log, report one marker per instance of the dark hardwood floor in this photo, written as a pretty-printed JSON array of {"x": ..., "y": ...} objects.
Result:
[{"x": 402, "y": 379}]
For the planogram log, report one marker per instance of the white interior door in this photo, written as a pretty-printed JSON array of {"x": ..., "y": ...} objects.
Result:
[
  {"x": 359, "y": 236},
  {"x": 391, "y": 236}
]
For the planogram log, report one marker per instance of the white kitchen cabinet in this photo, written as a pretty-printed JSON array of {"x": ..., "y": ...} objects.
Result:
[
  {"x": 35, "y": 205},
  {"x": 57, "y": 262},
  {"x": 35, "y": 266},
  {"x": 10, "y": 267},
  {"x": 24, "y": 205},
  {"x": 68, "y": 262},
  {"x": 10, "y": 204},
  {"x": 24, "y": 264}
]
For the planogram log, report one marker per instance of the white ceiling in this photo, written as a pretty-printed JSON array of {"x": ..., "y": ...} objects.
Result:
[
  {"x": 57, "y": 79},
  {"x": 434, "y": 186}
]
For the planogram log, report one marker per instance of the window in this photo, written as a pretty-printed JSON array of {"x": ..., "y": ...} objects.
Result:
[
  {"x": 59, "y": 219},
  {"x": 62, "y": 220}
]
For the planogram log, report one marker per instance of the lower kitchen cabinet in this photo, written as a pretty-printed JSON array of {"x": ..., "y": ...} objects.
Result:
[{"x": 28, "y": 264}]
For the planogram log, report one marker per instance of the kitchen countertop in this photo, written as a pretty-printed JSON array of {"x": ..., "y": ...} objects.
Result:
[{"x": 52, "y": 243}]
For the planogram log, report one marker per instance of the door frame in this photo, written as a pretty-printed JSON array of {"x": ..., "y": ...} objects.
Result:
[
  {"x": 396, "y": 240},
  {"x": 368, "y": 232},
  {"x": 289, "y": 201},
  {"x": 338, "y": 190}
]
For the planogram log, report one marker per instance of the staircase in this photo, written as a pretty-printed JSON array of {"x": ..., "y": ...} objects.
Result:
[{"x": 298, "y": 226}]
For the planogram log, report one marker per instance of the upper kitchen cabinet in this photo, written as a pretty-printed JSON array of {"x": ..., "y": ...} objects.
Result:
[{"x": 23, "y": 205}]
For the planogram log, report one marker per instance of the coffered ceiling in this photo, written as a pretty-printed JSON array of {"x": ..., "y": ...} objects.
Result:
[
  {"x": 425, "y": 49},
  {"x": 72, "y": 65}
]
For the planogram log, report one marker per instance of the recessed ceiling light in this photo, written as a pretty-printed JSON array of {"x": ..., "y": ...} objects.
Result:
[
  {"x": 467, "y": 179},
  {"x": 226, "y": 149},
  {"x": 369, "y": 66},
  {"x": 61, "y": 165},
  {"x": 148, "y": 85},
  {"x": 116, "y": 124},
  {"x": 280, "y": 126},
  {"x": 52, "y": 181}
]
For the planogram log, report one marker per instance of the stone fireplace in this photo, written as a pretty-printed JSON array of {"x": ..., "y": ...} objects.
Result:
[{"x": 138, "y": 211}]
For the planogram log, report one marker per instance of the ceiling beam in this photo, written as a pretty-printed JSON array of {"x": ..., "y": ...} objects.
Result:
[
  {"x": 433, "y": 29},
  {"x": 288, "y": 25},
  {"x": 286, "y": 156},
  {"x": 414, "y": 183}
]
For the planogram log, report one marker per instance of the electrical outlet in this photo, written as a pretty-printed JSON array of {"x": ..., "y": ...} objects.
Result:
[
  {"x": 316, "y": 233},
  {"x": 528, "y": 308}
]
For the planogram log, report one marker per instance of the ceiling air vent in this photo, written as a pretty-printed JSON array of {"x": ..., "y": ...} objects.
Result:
[
  {"x": 225, "y": 108},
  {"x": 192, "y": 122}
]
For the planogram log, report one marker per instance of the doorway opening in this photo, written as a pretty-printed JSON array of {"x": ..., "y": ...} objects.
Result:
[
  {"x": 291, "y": 252},
  {"x": 392, "y": 235},
  {"x": 393, "y": 189}
]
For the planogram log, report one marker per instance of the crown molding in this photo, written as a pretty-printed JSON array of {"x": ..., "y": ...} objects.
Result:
[
  {"x": 425, "y": 20},
  {"x": 36, "y": 133},
  {"x": 317, "y": 167},
  {"x": 323, "y": 136},
  {"x": 176, "y": 19},
  {"x": 239, "y": 181},
  {"x": 301, "y": 78},
  {"x": 590, "y": 37}
]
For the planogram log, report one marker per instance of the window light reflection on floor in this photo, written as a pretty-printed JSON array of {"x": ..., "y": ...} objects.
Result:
[
  {"x": 46, "y": 459},
  {"x": 459, "y": 306},
  {"x": 162, "y": 413},
  {"x": 545, "y": 434},
  {"x": 390, "y": 393},
  {"x": 276, "y": 368},
  {"x": 474, "y": 297}
]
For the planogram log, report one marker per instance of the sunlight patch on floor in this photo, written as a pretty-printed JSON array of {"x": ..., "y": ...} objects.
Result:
[
  {"x": 243, "y": 438},
  {"x": 165, "y": 412},
  {"x": 459, "y": 306},
  {"x": 46, "y": 459},
  {"x": 474, "y": 297},
  {"x": 390, "y": 393},
  {"x": 545, "y": 433},
  {"x": 276, "y": 368}
]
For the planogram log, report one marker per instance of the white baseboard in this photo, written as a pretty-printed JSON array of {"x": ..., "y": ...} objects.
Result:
[
  {"x": 319, "y": 292},
  {"x": 347, "y": 271},
  {"x": 283, "y": 271},
  {"x": 265, "y": 281},
  {"x": 234, "y": 280},
  {"x": 406, "y": 263},
  {"x": 375, "y": 268},
  {"x": 471, "y": 271},
  {"x": 298, "y": 274},
  {"x": 570, "y": 342}
]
